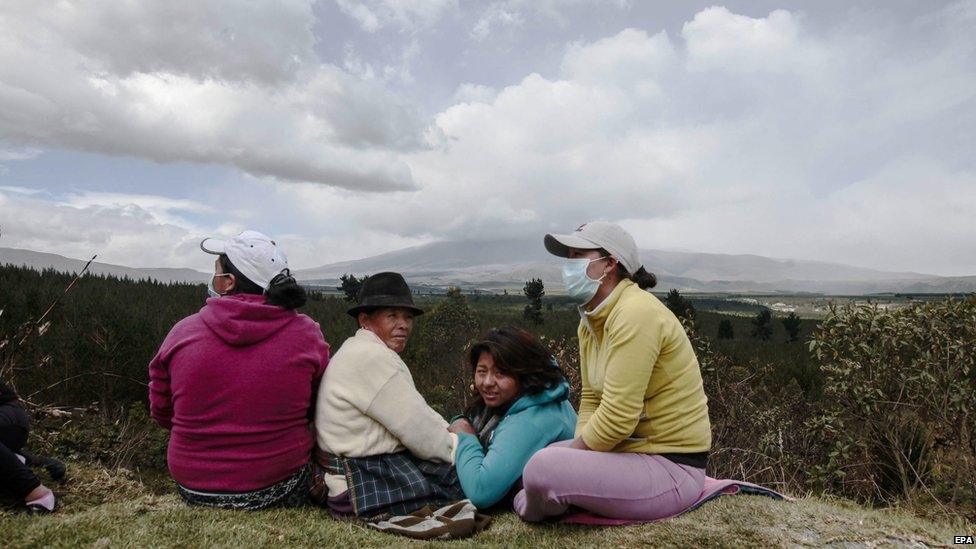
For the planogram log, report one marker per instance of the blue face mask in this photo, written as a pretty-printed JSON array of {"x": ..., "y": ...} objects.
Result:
[
  {"x": 579, "y": 285},
  {"x": 210, "y": 287}
]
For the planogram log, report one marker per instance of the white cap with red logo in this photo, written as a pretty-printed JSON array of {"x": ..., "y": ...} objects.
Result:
[
  {"x": 254, "y": 254},
  {"x": 598, "y": 234}
]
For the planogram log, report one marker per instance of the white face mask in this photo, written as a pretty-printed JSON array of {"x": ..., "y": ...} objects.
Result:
[
  {"x": 579, "y": 285},
  {"x": 210, "y": 287}
]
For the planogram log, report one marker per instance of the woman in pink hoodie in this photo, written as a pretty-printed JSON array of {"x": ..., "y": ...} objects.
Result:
[{"x": 236, "y": 383}]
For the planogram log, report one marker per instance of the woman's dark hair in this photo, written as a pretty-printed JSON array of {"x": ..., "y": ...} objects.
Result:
[
  {"x": 517, "y": 353},
  {"x": 283, "y": 292},
  {"x": 642, "y": 278}
]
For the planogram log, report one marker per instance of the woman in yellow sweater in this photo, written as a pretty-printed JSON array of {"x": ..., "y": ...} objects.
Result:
[{"x": 643, "y": 433}]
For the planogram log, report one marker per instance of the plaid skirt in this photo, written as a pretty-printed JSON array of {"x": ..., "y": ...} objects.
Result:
[
  {"x": 291, "y": 492},
  {"x": 394, "y": 484}
]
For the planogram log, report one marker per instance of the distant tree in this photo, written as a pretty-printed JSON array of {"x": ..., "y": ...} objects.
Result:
[
  {"x": 725, "y": 329},
  {"x": 534, "y": 290},
  {"x": 792, "y": 325},
  {"x": 350, "y": 286},
  {"x": 681, "y": 307},
  {"x": 762, "y": 327}
]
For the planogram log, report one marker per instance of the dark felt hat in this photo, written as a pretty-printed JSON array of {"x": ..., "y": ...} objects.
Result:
[{"x": 384, "y": 290}]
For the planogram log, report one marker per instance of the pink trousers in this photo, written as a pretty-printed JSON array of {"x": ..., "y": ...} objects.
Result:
[{"x": 616, "y": 485}]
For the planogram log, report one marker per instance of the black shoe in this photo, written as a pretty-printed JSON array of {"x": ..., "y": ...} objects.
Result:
[{"x": 54, "y": 467}]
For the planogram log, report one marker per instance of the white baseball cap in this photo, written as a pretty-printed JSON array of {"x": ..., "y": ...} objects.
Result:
[
  {"x": 254, "y": 254},
  {"x": 598, "y": 234}
]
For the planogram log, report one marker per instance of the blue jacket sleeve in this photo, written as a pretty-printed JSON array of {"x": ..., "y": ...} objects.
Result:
[{"x": 487, "y": 476}]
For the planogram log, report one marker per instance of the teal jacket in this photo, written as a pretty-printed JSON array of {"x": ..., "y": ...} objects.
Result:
[{"x": 531, "y": 424}]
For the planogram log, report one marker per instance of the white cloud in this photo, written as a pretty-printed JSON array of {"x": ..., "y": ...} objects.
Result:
[
  {"x": 18, "y": 154},
  {"x": 718, "y": 39},
  {"x": 911, "y": 216},
  {"x": 737, "y": 134},
  {"x": 216, "y": 83},
  {"x": 406, "y": 15},
  {"x": 125, "y": 235},
  {"x": 153, "y": 231},
  {"x": 161, "y": 209},
  {"x": 223, "y": 39},
  {"x": 698, "y": 145},
  {"x": 474, "y": 93},
  {"x": 19, "y": 190},
  {"x": 496, "y": 15},
  {"x": 511, "y": 14},
  {"x": 630, "y": 59}
]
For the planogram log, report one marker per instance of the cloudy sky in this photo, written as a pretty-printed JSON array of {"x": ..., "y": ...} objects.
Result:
[{"x": 833, "y": 130}]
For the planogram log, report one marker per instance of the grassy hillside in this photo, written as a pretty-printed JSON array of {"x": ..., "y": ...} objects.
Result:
[
  {"x": 112, "y": 509},
  {"x": 854, "y": 419}
]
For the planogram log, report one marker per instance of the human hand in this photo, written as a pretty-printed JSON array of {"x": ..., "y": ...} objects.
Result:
[
  {"x": 461, "y": 425},
  {"x": 578, "y": 444}
]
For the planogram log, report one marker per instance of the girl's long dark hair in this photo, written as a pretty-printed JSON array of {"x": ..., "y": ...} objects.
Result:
[
  {"x": 284, "y": 291},
  {"x": 517, "y": 353}
]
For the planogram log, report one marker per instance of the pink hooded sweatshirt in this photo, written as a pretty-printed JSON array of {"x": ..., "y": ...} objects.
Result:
[{"x": 235, "y": 384}]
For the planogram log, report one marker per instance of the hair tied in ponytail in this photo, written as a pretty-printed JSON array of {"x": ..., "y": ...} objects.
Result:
[
  {"x": 644, "y": 279},
  {"x": 284, "y": 291},
  {"x": 284, "y": 277}
]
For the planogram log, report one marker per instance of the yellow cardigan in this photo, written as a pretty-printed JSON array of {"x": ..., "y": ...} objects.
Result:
[{"x": 642, "y": 385}]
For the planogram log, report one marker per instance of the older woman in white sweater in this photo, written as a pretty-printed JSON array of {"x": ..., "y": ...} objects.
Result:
[{"x": 381, "y": 448}]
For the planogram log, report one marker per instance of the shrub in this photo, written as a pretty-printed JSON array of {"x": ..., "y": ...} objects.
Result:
[
  {"x": 437, "y": 353},
  {"x": 566, "y": 352},
  {"x": 756, "y": 419},
  {"x": 898, "y": 414}
]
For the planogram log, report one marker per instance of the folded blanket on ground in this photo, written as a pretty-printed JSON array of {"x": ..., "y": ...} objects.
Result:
[
  {"x": 713, "y": 488},
  {"x": 457, "y": 520}
]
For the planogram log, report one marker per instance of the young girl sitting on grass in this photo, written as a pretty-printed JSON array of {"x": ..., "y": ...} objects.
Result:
[{"x": 521, "y": 406}]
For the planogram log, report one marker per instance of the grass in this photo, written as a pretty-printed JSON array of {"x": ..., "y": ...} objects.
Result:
[{"x": 116, "y": 509}]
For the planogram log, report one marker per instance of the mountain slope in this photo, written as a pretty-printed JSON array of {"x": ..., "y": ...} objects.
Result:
[
  {"x": 498, "y": 264},
  {"x": 508, "y": 263},
  {"x": 41, "y": 260}
]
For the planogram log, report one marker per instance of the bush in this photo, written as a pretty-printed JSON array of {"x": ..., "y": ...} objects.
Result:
[
  {"x": 756, "y": 419},
  {"x": 898, "y": 414},
  {"x": 112, "y": 437}
]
